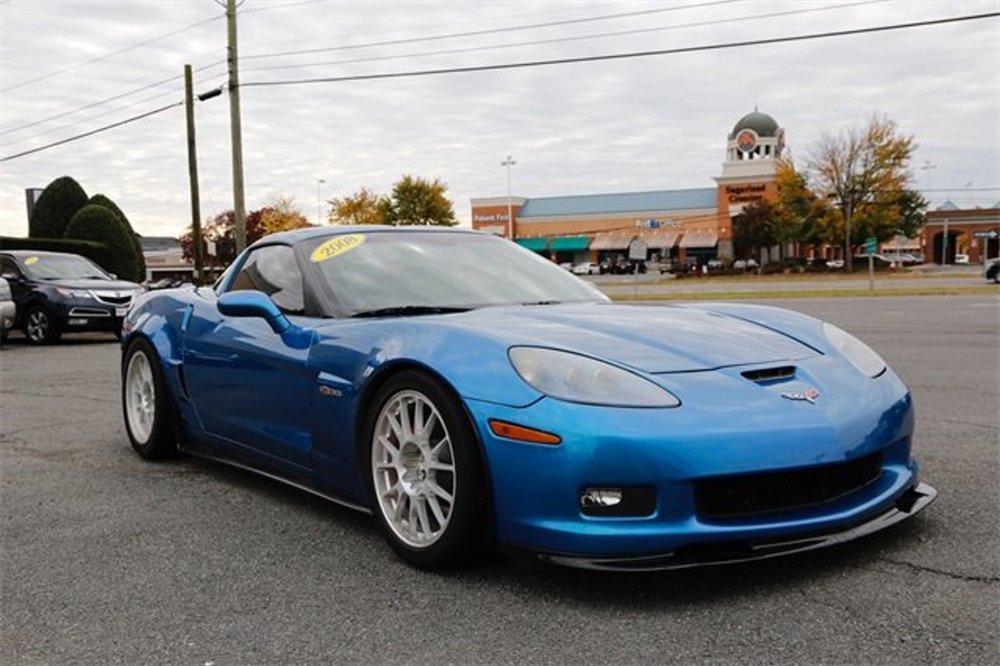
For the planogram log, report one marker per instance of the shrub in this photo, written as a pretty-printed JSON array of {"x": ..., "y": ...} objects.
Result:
[
  {"x": 101, "y": 200},
  {"x": 100, "y": 224},
  {"x": 58, "y": 203}
]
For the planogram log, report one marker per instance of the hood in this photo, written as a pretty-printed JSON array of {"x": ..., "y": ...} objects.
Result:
[
  {"x": 95, "y": 284},
  {"x": 649, "y": 339}
]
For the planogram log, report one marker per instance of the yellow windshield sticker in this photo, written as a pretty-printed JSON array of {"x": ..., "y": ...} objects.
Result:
[
  {"x": 30, "y": 260},
  {"x": 336, "y": 246}
]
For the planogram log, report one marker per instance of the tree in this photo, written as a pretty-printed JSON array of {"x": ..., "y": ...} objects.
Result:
[
  {"x": 101, "y": 200},
  {"x": 864, "y": 171},
  {"x": 417, "y": 201},
  {"x": 58, "y": 203},
  {"x": 100, "y": 224},
  {"x": 803, "y": 217},
  {"x": 281, "y": 214},
  {"x": 220, "y": 231},
  {"x": 363, "y": 207},
  {"x": 753, "y": 228},
  {"x": 911, "y": 213}
]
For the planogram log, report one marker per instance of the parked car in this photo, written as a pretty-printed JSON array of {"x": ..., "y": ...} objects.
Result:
[
  {"x": 386, "y": 369},
  {"x": 58, "y": 293},
  {"x": 744, "y": 264},
  {"x": 586, "y": 268},
  {"x": 992, "y": 271},
  {"x": 8, "y": 310},
  {"x": 835, "y": 263},
  {"x": 566, "y": 266}
]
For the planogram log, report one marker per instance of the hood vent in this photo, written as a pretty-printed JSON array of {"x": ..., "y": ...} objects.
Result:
[{"x": 768, "y": 375}]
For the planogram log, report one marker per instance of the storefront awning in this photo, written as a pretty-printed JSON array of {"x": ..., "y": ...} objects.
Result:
[
  {"x": 533, "y": 244},
  {"x": 694, "y": 240},
  {"x": 901, "y": 242},
  {"x": 569, "y": 243},
  {"x": 609, "y": 241},
  {"x": 661, "y": 240}
]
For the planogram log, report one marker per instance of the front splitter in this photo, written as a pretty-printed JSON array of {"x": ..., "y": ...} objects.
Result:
[{"x": 907, "y": 506}]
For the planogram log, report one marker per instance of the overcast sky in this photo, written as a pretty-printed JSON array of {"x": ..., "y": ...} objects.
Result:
[{"x": 609, "y": 126}]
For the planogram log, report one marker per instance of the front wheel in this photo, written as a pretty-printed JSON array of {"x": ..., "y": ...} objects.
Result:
[
  {"x": 39, "y": 328},
  {"x": 425, "y": 473},
  {"x": 149, "y": 414}
]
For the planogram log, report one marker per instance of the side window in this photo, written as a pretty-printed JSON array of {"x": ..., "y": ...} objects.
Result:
[
  {"x": 8, "y": 266},
  {"x": 272, "y": 270}
]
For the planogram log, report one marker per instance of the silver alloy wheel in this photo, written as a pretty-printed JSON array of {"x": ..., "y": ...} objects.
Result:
[
  {"x": 37, "y": 326},
  {"x": 413, "y": 468},
  {"x": 140, "y": 397}
]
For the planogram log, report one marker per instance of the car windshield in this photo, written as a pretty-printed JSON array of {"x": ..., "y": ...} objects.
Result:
[
  {"x": 415, "y": 272},
  {"x": 61, "y": 267}
]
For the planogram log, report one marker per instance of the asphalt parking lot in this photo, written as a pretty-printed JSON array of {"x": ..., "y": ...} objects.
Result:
[{"x": 108, "y": 559}]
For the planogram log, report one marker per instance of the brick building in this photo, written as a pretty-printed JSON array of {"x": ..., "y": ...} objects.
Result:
[
  {"x": 968, "y": 232},
  {"x": 688, "y": 225}
]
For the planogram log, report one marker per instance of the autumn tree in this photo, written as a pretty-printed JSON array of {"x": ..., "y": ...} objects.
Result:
[
  {"x": 753, "y": 228},
  {"x": 418, "y": 201},
  {"x": 803, "y": 216},
  {"x": 413, "y": 201},
  {"x": 864, "y": 171},
  {"x": 362, "y": 207},
  {"x": 281, "y": 214},
  {"x": 220, "y": 230}
]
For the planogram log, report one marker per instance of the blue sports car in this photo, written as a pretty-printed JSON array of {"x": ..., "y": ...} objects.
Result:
[{"x": 469, "y": 393}]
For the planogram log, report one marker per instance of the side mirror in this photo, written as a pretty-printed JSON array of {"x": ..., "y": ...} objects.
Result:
[
  {"x": 11, "y": 277},
  {"x": 251, "y": 303}
]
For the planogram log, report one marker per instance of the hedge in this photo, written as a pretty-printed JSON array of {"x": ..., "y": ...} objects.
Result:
[
  {"x": 101, "y": 200},
  {"x": 96, "y": 252},
  {"x": 58, "y": 203},
  {"x": 97, "y": 223}
]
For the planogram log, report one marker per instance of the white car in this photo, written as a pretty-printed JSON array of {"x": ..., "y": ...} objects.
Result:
[
  {"x": 7, "y": 309},
  {"x": 586, "y": 268}
]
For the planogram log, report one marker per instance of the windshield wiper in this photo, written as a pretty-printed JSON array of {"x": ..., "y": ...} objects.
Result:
[
  {"x": 407, "y": 310},
  {"x": 542, "y": 303}
]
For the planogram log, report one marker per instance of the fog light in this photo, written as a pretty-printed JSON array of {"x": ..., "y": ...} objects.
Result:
[
  {"x": 593, "y": 498},
  {"x": 625, "y": 502}
]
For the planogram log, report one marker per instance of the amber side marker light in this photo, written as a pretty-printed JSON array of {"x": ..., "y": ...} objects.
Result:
[{"x": 523, "y": 434}]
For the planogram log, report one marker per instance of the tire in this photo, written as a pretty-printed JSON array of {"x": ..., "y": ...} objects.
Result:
[
  {"x": 148, "y": 411},
  {"x": 424, "y": 473},
  {"x": 39, "y": 328}
]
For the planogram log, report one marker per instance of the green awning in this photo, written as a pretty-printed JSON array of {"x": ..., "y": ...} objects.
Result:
[
  {"x": 569, "y": 243},
  {"x": 533, "y": 244}
]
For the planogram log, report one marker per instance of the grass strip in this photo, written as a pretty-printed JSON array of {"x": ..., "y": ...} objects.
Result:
[{"x": 809, "y": 293}]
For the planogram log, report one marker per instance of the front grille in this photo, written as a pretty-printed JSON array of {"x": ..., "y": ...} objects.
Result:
[
  {"x": 738, "y": 496},
  {"x": 112, "y": 298}
]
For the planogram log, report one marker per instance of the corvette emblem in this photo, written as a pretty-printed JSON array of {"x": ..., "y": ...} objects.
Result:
[{"x": 809, "y": 395}]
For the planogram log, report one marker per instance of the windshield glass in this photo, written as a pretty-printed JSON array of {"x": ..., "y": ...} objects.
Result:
[
  {"x": 61, "y": 267},
  {"x": 426, "y": 270}
]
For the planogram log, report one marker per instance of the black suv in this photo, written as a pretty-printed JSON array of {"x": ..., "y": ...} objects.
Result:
[{"x": 60, "y": 293}]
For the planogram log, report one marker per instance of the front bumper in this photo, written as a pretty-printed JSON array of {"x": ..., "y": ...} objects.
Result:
[{"x": 909, "y": 504}]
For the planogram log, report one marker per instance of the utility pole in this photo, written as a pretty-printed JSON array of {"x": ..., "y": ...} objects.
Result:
[
  {"x": 239, "y": 205},
  {"x": 193, "y": 174}
]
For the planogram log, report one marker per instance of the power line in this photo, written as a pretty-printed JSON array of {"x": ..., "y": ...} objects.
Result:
[
  {"x": 575, "y": 38},
  {"x": 476, "y": 33},
  {"x": 624, "y": 56},
  {"x": 107, "y": 56},
  {"x": 93, "y": 132},
  {"x": 102, "y": 102}
]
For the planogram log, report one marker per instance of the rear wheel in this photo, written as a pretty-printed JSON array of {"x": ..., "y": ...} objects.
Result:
[
  {"x": 39, "y": 328},
  {"x": 149, "y": 414},
  {"x": 425, "y": 473}
]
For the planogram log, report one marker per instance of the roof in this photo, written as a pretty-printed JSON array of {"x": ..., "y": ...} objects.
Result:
[
  {"x": 299, "y": 235},
  {"x": 623, "y": 202},
  {"x": 699, "y": 239},
  {"x": 761, "y": 123}
]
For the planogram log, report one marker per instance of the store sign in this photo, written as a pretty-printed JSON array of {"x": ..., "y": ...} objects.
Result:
[
  {"x": 745, "y": 193},
  {"x": 492, "y": 217}
]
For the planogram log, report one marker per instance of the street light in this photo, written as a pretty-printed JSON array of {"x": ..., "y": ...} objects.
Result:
[
  {"x": 509, "y": 162},
  {"x": 319, "y": 201}
]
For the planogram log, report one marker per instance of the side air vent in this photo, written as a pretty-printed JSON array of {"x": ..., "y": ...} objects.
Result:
[{"x": 765, "y": 375}]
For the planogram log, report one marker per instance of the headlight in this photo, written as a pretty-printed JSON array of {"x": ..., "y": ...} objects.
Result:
[
  {"x": 73, "y": 293},
  {"x": 576, "y": 378},
  {"x": 858, "y": 353}
]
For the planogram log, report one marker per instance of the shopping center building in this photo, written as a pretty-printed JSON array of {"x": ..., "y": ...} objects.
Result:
[{"x": 691, "y": 226}]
